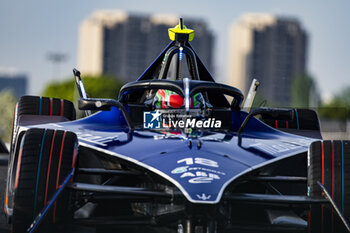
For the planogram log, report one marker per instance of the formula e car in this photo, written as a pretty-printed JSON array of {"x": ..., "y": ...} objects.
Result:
[{"x": 177, "y": 152}]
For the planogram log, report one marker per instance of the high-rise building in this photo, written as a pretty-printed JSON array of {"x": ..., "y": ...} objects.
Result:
[
  {"x": 124, "y": 45},
  {"x": 270, "y": 49},
  {"x": 13, "y": 81}
]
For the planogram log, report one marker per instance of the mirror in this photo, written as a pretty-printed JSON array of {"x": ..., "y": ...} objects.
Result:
[
  {"x": 104, "y": 105},
  {"x": 98, "y": 104}
]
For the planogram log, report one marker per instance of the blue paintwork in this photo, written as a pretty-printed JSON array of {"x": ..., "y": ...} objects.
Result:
[{"x": 162, "y": 154}]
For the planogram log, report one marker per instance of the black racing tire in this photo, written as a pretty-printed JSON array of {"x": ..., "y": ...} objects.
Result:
[
  {"x": 329, "y": 163},
  {"x": 36, "y": 105},
  {"x": 41, "y": 106},
  {"x": 46, "y": 157}
]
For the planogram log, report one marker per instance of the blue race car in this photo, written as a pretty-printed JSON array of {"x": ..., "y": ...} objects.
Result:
[{"x": 176, "y": 152}]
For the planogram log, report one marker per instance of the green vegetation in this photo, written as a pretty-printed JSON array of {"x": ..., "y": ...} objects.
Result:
[
  {"x": 303, "y": 89},
  {"x": 339, "y": 107},
  {"x": 303, "y": 95},
  {"x": 103, "y": 86},
  {"x": 97, "y": 87},
  {"x": 7, "y": 105},
  {"x": 260, "y": 101}
]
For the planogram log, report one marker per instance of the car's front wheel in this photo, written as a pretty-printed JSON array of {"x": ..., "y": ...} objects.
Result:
[{"x": 44, "y": 160}]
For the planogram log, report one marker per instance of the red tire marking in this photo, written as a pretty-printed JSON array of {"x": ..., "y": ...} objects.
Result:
[
  {"x": 61, "y": 111},
  {"x": 17, "y": 174},
  {"x": 74, "y": 157},
  {"x": 58, "y": 174},
  {"x": 48, "y": 168},
  {"x": 276, "y": 124},
  {"x": 6, "y": 201},
  {"x": 50, "y": 106},
  {"x": 18, "y": 166}
]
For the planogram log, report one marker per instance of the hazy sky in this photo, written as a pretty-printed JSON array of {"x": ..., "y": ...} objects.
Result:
[{"x": 29, "y": 30}]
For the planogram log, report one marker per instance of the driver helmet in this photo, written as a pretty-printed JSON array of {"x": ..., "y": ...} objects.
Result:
[
  {"x": 165, "y": 99},
  {"x": 168, "y": 99}
]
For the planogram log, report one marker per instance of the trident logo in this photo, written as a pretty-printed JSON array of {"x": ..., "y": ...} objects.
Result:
[{"x": 203, "y": 197}]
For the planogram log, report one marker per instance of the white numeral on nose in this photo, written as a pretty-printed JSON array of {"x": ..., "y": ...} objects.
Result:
[{"x": 201, "y": 161}]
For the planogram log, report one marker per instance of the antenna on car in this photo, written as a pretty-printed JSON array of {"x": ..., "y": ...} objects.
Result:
[
  {"x": 181, "y": 24},
  {"x": 81, "y": 88},
  {"x": 251, "y": 95}
]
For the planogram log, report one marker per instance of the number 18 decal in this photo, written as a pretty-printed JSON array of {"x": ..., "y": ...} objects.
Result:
[{"x": 200, "y": 161}]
